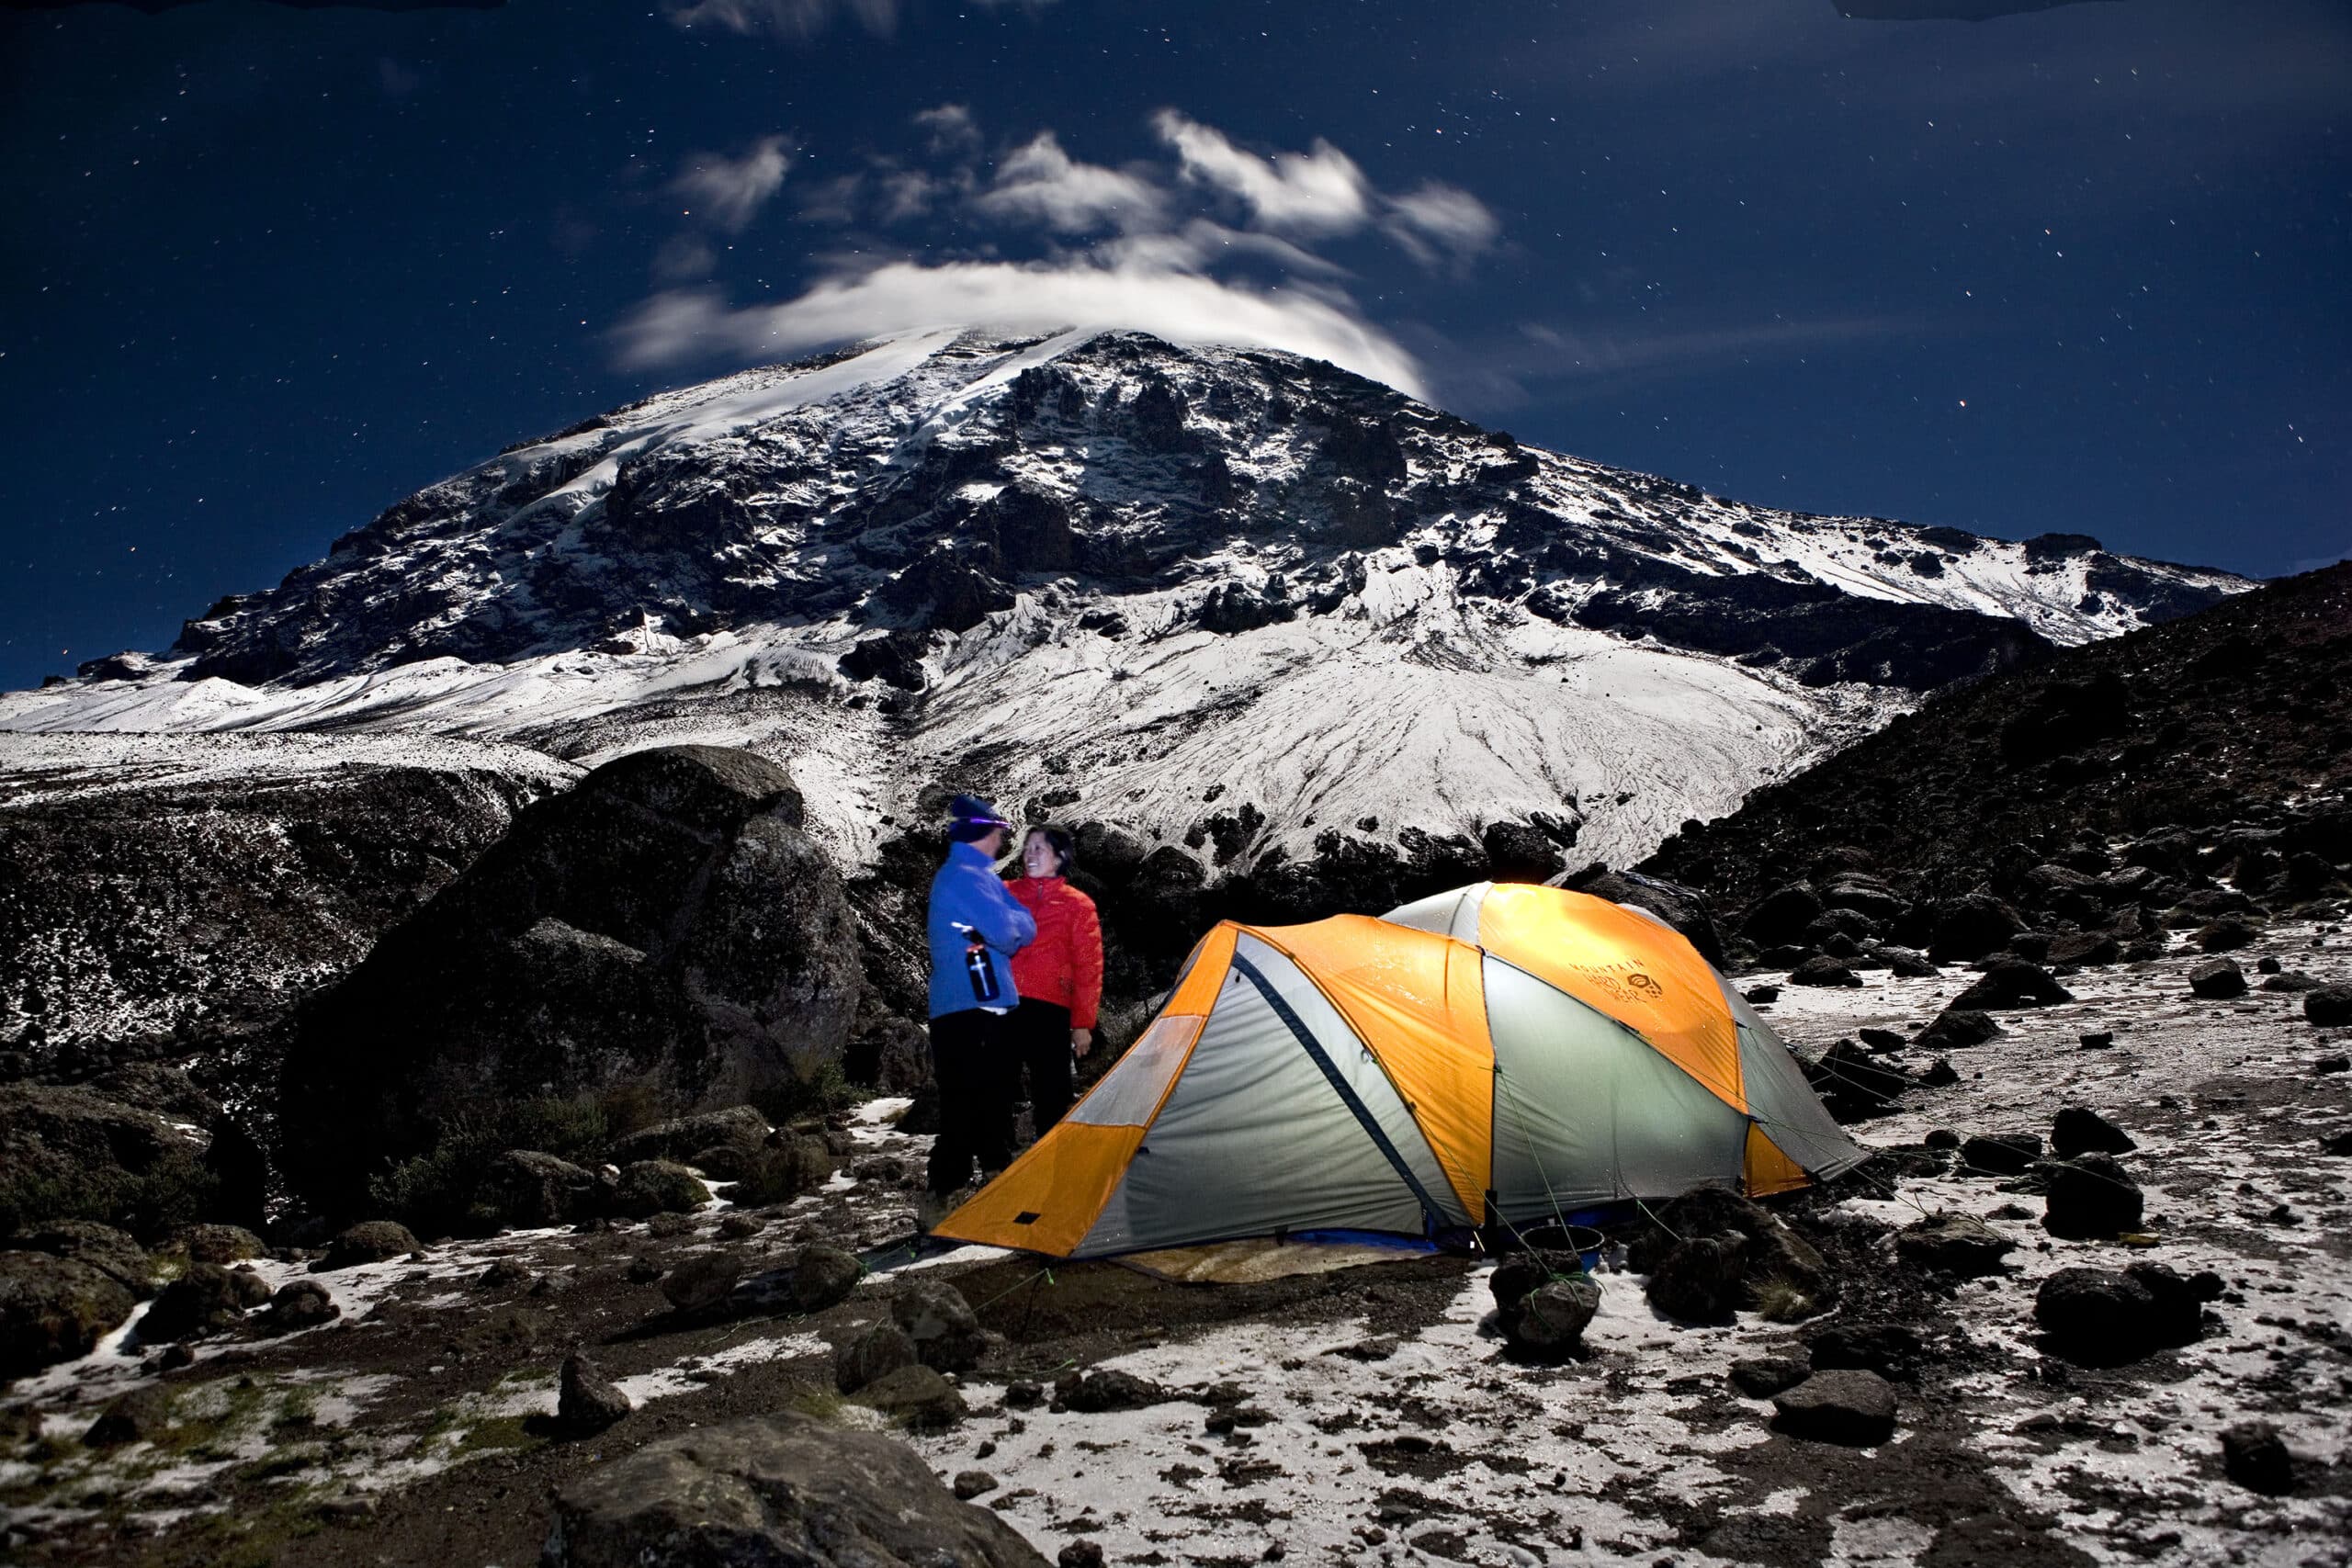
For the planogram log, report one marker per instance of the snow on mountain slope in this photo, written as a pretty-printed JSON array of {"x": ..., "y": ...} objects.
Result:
[{"x": 1118, "y": 579}]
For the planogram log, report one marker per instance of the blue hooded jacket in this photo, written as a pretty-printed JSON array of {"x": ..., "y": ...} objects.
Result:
[{"x": 965, "y": 891}]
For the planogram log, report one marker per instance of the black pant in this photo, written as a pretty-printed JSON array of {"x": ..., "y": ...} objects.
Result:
[
  {"x": 1040, "y": 1042},
  {"x": 967, "y": 1052}
]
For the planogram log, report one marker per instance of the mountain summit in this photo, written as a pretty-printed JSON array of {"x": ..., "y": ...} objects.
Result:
[{"x": 1200, "y": 592}]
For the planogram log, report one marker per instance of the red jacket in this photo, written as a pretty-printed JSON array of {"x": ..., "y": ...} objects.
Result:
[{"x": 1064, "y": 965}]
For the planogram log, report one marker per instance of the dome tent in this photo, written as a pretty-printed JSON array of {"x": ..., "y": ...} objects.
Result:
[{"x": 1501, "y": 1052}]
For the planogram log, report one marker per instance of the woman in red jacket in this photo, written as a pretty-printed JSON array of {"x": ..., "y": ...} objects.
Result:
[{"x": 1059, "y": 978}]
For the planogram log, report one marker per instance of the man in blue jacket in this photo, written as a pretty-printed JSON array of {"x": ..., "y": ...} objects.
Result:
[{"x": 975, "y": 927}]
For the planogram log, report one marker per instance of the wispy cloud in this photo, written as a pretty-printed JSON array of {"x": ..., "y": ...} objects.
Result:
[
  {"x": 1306, "y": 195},
  {"x": 793, "y": 21},
  {"x": 1438, "y": 223},
  {"x": 1043, "y": 183},
  {"x": 1217, "y": 243},
  {"x": 1074, "y": 293},
  {"x": 730, "y": 192}
]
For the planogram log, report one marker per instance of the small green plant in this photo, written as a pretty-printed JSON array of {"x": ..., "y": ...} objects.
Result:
[
  {"x": 820, "y": 1091},
  {"x": 1777, "y": 1300}
]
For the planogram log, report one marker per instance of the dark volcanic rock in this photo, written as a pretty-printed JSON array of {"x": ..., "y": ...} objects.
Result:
[
  {"x": 1855, "y": 1083},
  {"x": 586, "y": 1402},
  {"x": 876, "y": 1353},
  {"x": 1954, "y": 1243},
  {"x": 2218, "y": 979},
  {"x": 654, "y": 1187},
  {"x": 1684, "y": 908},
  {"x": 917, "y": 1396},
  {"x": 774, "y": 1489},
  {"x": 220, "y": 1243},
  {"x": 54, "y": 1309},
  {"x": 664, "y": 928},
  {"x": 1761, "y": 1377},
  {"x": 2330, "y": 1006},
  {"x": 737, "y": 1126},
  {"x": 1549, "y": 1321},
  {"x": 1711, "y": 1251},
  {"x": 1822, "y": 970},
  {"x": 2092, "y": 1197},
  {"x": 2012, "y": 983},
  {"x": 945, "y": 1333},
  {"x": 206, "y": 1299},
  {"x": 141, "y": 1416},
  {"x": 2002, "y": 1154},
  {"x": 103, "y": 1247},
  {"x": 2102, "y": 1318},
  {"x": 370, "y": 1241},
  {"x": 528, "y": 1190},
  {"x": 2078, "y": 1129},
  {"x": 1093, "y": 1393},
  {"x": 303, "y": 1303},
  {"x": 1852, "y": 1407},
  {"x": 1889, "y": 1349},
  {"x": 2256, "y": 1457},
  {"x": 1954, "y": 1029}
]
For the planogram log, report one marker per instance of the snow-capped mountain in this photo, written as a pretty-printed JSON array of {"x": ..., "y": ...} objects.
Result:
[{"x": 1112, "y": 578}]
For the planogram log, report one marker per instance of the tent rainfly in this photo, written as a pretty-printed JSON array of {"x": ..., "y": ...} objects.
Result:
[{"x": 1499, "y": 1052}]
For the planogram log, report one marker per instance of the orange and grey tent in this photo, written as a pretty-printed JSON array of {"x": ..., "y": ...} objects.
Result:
[{"x": 1502, "y": 1053}]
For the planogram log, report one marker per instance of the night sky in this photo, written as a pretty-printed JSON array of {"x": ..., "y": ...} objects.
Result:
[{"x": 264, "y": 271}]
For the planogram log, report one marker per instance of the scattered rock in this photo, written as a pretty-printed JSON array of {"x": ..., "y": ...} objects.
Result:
[
  {"x": 530, "y": 1191},
  {"x": 1956, "y": 1029},
  {"x": 2100, "y": 1318},
  {"x": 2292, "y": 982},
  {"x": 2002, "y": 1154},
  {"x": 1848, "y": 1406},
  {"x": 2336, "y": 1064},
  {"x": 702, "y": 1280},
  {"x": 2090, "y": 1198},
  {"x": 1091, "y": 1394},
  {"x": 650, "y": 1187},
  {"x": 2218, "y": 979},
  {"x": 1762, "y": 995},
  {"x": 1082, "y": 1554},
  {"x": 2256, "y": 1457},
  {"x": 946, "y": 1334},
  {"x": 822, "y": 1276},
  {"x": 740, "y": 1226},
  {"x": 205, "y": 1299},
  {"x": 738, "y": 1126},
  {"x": 1889, "y": 1349},
  {"x": 503, "y": 1274},
  {"x": 1822, "y": 970},
  {"x": 2078, "y": 1129},
  {"x": 141, "y": 1416},
  {"x": 1855, "y": 1083},
  {"x": 971, "y": 1484},
  {"x": 304, "y": 1303},
  {"x": 1954, "y": 1243},
  {"x": 880, "y": 1350},
  {"x": 1712, "y": 1251},
  {"x": 2097, "y": 1040},
  {"x": 916, "y": 1396},
  {"x": 586, "y": 1402},
  {"x": 370, "y": 1241},
  {"x": 1549, "y": 1321},
  {"x": 2330, "y": 1006},
  {"x": 1698, "y": 1279},
  {"x": 1761, "y": 1377},
  {"x": 2012, "y": 983},
  {"x": 774, "y": 1489},
  {"x": 220, "y": 1243},
  {"x": 1881, "y": 1040},
  {"x": 2225, "y": 935}
]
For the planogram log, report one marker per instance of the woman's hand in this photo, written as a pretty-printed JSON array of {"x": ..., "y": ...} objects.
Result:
[{"x": 1081, "y": 1040}]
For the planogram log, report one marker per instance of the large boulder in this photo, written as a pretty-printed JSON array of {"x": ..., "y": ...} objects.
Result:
[
  {"x": 103, "y": 1247},
  {"x": 654, "y": 1187},
  {"x": 774, "y": 1489},
  {"x": 664, "y": 929},
  {"x": 2101, "y": 1317},
  {"x": 2012, "y": 983},
  {"x": 2090, "y": 1198},
  {"x": 54, "y": 1309},
  {"x": 370, "y": 1241},
  {"x": 205, "y": 1299},
  {"x": 945, "y": 1332},
  {"x": 72, "y": 1154},
  {"x": 737, "y": 1126},
  {"x": 531, "y": 1190},
  {"x": 1958, "y": 1245},
  {"x": 1848, "y": 1406}
]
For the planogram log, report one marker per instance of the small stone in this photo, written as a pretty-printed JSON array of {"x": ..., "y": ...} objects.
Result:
[
  {"x": 371, "y": 1241},
  {"x": 1763, "y": 995},
  {"x": 2097, "y": 1040},
  {"x": 2218, "y": 979},
  {"x": 2078, "y": 1129},
  {"x": 305, "y": 1303},
  {"x": 945, "y": 1332},
  {"x": 1092, "y": 1393},
  {"x": 2012, "y": 983},
  {"x": 1956, "y": 1244},
  {"x": 1080, "y": 1554},
  {"x": 2256, "y": 1457},
  {"x": 1549, "y": 1321},
  {"x": 1848, "y": 1406},
  {"x": 971, "y": 1484},
  {"x": 2091, "y": 1198},
  {"x": 702, "y": 1282},
  {"x": 1024, "y": 1395},
  {"x": 880, "y": 1350},
  {"x": 1941, "y": 1138},
  {"x": 585, "y": 1402},
  {"x": 1822, "y": 970},
  {"x": 353, "y": 1507},
  {"x": 737, "y": 1227},
  {"x": 141, "y": 1416},
  {"x": 823, "y": 1276},
  {"x": 2337, "y": 1064},
  {"x": 2330, "y": 1006},
  {"x": 1761, "y": 1377},
  {"x": 917, "y": 1395},
  {"x": 2002, "y": 1154},
  {"x": 1956, "y": 1029}
]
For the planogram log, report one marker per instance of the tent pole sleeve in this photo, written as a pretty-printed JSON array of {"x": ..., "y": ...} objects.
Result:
[{"x": 1346, "y": 1091}]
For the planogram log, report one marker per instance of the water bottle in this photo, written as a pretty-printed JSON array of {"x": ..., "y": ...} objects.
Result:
[{"x": 979, "y": 966}]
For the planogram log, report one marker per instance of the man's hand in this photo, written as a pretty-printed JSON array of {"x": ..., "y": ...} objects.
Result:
[{"x": 1081, "y": 1040}]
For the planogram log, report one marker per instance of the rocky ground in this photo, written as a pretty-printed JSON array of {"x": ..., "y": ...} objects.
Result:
[{"x": 1369, "y": 1414}]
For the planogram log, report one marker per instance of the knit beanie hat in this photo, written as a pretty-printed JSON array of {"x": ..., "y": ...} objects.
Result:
[{"x": 971, "y": 820}]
